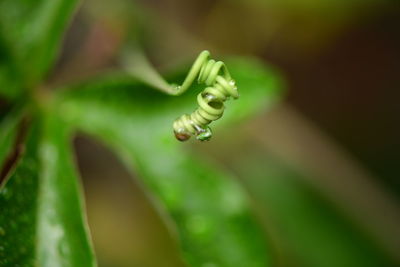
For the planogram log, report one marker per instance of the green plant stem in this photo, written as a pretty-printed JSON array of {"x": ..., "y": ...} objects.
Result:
[{"x": 137, "y": 64}]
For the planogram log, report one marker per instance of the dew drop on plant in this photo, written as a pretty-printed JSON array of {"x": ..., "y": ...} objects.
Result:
[
  {"x": 3, "y": 191},
  {"x": 6, "y": 193},
  {"x": 182, "y": 136},
  {"x": 204, "y": 135},
  {"x": 209, "y": 97}
]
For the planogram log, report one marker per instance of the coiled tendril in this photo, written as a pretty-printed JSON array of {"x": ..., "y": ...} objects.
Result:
[{"x": 220, "y": 87}]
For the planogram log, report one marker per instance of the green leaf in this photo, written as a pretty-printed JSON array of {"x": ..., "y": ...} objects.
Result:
[
  {"x": 41, "y": 221},
  {"x": 8, "y": 132},
  {"x": 30, "y": 33},
  {"x": 210, "y": 210},
  {"x": 17, "y": 219},
  {"x": 9, "y": 76},
  {"x": 311, "y": 231}
]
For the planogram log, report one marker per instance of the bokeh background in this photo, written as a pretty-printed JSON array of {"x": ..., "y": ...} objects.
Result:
[{"x": 321, "y": 167}]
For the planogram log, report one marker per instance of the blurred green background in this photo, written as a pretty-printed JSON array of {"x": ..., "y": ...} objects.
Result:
[{"x": 321, "y": 168}]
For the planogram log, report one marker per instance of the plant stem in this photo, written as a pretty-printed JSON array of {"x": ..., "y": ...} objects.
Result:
[{"x": 136, "y": 64}]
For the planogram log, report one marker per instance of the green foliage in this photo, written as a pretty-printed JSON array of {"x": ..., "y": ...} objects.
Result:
[
  {"x": 18, "y": 212},
  {"x": 8, "y": 127},
  {"x": 42, "y": 220},
  {"x": 30, "y": 33},
  {"x": 302, "y": 218},
  {"x": 210, "y": 210}
]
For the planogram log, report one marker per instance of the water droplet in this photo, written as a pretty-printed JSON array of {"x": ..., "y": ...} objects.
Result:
[
  {"x": 181, "y": 135},
  {"x": 6, "y": 193},
  {"x": 3, "y": 191},
  {"x": 209, "y": 97},
  {"x": 205, "y": 134}
]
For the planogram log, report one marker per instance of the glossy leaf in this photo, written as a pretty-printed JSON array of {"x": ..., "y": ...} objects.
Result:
[
  {"x": 30, "y": 33},
  {"x": 210, "y": 210},
  {"x": 311, "y": 231},
  {"x": 8, "y": 132},
  {"x": 41, "y": 220},
  {"x": 18, "y": 210}
]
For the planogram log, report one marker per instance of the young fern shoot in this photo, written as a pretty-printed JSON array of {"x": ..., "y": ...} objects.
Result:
[{"x": 219, "y": 88}]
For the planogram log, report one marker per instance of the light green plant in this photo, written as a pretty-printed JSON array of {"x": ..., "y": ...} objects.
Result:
[
  {"x": 204, "y": 204},
  {"x": 42, "y": 219},
  {"x": 214, "y": 74}
]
